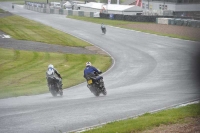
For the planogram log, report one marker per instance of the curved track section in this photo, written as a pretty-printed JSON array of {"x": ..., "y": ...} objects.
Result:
[{"x": 150, "y": 73}]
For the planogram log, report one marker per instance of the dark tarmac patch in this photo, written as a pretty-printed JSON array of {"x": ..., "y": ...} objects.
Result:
[
  {"x": 41, "y": 47},
  {"x": 5, "y": 14}
]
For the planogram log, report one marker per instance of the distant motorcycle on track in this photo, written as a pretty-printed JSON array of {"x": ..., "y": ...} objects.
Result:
[{"x": 103, "y": 28}]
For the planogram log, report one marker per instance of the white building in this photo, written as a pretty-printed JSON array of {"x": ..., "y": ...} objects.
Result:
[
  {"x": 110, "y": 8},
  {"x": 179, "y": 7}
]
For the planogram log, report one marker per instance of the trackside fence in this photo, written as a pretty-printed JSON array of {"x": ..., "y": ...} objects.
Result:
[{"x": 60, "y": 11}]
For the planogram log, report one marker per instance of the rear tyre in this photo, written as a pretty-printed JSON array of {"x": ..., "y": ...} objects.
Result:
[
  {"x": 61, "y": 93},
  {"x": 104, "y": 92},
  {"x": 96, "y": 94}
]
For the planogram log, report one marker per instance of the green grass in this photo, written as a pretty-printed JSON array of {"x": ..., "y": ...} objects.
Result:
[
  {"x": 24, "y": 29},
  {"x": 123, "y": 24},
  {"x": 23, "y": 72},
  {"x": 2, "y": 11},
  {"x": 149, "y": 121}
]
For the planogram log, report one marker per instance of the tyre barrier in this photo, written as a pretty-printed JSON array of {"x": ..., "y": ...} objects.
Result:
[
  {"x": 134, "y": 18},
  {"x": 179, "y": 22}
]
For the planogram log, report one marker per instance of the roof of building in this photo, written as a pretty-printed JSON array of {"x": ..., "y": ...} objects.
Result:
[
  {"x": 114, "y": 7},
  {"x": 128, "y": 2}
]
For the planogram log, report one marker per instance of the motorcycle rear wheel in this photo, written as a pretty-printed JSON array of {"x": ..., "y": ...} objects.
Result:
[
  {"x": 104, "y": 92},
  {"x": 96, "y": 94}
]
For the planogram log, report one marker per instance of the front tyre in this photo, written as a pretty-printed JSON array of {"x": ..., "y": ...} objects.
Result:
[
  {"x": 61, "y": 93},
  {"x": 53, "y": 91}
]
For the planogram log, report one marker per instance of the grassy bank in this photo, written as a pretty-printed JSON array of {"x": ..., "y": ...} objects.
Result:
[
  {"x": 23, "y": 72},
  {"x": 149, "y": 121},
  {"x": 24, "y": 29}
]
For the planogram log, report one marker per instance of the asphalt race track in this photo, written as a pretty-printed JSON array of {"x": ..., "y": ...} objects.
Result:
[{"x": 149, "y": 73}]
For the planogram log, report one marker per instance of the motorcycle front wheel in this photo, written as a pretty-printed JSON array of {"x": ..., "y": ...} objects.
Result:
[
  {"x": 61, "y": 93},
  {"x": 53, "y": 91}
]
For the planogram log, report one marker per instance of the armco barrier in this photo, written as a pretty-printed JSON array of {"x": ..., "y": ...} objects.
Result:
[
  {"x": 194, "y": 23},
  {"x": 60, "y": 11},
  {"x": 185, "y": 22},
  {"x": 81, "y": 13},
  {"x": 51, "y": 11},
  {"x": 198, "y": 24},
  {"x": 162, "y": 20},
  {"x": 135, "y": 18},
  {"x": 65, "y": 12},
  {"x": 178, "y": 22},
  {"x": 56, "y": 11},
  {"x": 47, "y": 10},
  {"x": 70, "y": 13},
  {"x": 91, "y": 14},
  {"x": 75, "y": 13},
  {"x": 87, "y": 14}
]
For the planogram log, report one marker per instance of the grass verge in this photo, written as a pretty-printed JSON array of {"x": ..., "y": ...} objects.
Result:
[
  {"x": 23, "y": 72},
  {"x": 149, "y": 121},
  {"x": 24, "y": 29},
  {"x": 126, "y": 25}
]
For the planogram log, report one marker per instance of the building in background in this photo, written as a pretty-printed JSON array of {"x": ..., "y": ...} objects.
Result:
[
  {"x": 171, "y": 7},
  {"x": 111, "y": 8}
]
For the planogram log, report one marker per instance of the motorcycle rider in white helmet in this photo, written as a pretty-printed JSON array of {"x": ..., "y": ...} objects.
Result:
[{"x": 52, "y": 72}]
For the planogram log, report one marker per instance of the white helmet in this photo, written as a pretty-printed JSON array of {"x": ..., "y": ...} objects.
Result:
[
  {"x": 88, "y": 63},
  {"x": 50, "y": 66},
  {"x": 50, "y": 70}
]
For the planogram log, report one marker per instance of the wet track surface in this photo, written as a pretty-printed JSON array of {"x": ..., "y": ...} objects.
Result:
[{"x": 149, "y": 73}]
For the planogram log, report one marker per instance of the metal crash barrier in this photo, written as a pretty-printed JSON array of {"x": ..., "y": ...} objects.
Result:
[{"x": 60, "y": 11}]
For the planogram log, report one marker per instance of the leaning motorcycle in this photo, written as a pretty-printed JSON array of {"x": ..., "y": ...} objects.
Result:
[
  {"x": 54, "y": 86},
  {"x": 96, "y": 85}
]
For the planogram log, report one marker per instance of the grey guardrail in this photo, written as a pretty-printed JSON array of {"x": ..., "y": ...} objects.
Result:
[
  {"x": 60, "y": 11},
  {"x": 179, "y": 21}
]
